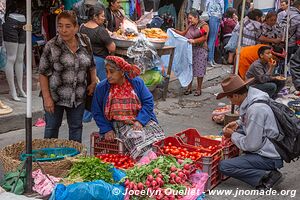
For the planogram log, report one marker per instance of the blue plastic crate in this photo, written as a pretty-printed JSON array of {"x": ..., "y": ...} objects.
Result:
[{"x": 60, "y": 153}]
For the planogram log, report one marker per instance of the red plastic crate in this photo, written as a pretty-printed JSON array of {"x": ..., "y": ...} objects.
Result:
[
  {"x": 100, "y": 146},
  {"x": 192, "y": 137},
  {"x": 207, "y": 165},
  {"x": 230, "y": 150}
]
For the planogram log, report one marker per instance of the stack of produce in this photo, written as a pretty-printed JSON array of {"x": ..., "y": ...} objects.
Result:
[
  {"x": 184, "y": 153},
  {"x": 162, "y": 174},
  {"x": 118, "y": 160},
  {"x": 88, "y": 169},
  {"x": 155, "y": 33}
]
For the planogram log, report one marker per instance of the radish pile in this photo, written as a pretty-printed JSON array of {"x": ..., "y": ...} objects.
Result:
[{"x": 160, "y": 178}]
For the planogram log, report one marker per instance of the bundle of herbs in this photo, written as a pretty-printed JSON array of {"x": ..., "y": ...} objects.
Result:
[{"x": 90, "y": 169}]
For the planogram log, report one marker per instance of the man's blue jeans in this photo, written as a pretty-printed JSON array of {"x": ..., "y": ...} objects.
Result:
[
  {"x": 249, "y": 168},
  {"x": 74, "y": 118},
  {"x": 214, "y": 23}
]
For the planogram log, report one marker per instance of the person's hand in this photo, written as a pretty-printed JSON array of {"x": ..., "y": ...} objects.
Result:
[
  {"x": 49, "y": 104},
  {"x": 235, "y": 17},
  {"x": 228, "y": 132},
  {"x": 272, "y": 63},
  {"x": 110, "y": 135},
  {"x": 279, "y": 78},
  {"x": 191, "y": 41},
  {"x": 91, "y": 88},
  {"x": 232, "y": 125},
  {"x": 137, "y": 126}
]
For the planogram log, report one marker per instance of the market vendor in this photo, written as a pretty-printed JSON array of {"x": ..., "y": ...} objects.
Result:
[
  {"x": 252, "y": 133},
  {"x": 123, "y": 106},
  {"x": 114, "y": 15}
]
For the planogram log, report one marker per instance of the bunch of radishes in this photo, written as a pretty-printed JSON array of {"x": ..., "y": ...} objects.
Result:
[
  {"x": 160, "y": 181},
  {"x": 180, "y": 176}
]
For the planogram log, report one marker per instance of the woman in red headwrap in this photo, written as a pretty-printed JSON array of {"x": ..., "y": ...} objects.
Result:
[{"x": 123, "y": 108}]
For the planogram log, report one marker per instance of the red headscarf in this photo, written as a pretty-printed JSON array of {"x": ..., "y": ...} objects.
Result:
[{"x": 132, "y": 70}]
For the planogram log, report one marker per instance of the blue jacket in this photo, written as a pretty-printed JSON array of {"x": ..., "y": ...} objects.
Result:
[{"x": 101, "y": 95}]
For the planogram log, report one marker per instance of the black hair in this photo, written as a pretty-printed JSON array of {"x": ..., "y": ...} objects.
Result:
[
  {"x": 277, "y": 49},
  {"x": 284, "y": 1},
  {"x": 255, "y": 13},
  {"x": 241, "y": 91},
  {"x": 271, "y": 14},
  {"x": 94, "y": 11},
  {"x": 229, "y": 12},
  {"x": 110, "y": 2},
  {"x": 296, "y": 4},
  {"x": 196, "y": 13},
  {"x": 262, "y": 50}
]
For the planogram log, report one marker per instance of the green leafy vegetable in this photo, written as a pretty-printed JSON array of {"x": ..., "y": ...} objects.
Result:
[{"x": 91, "y": 169}]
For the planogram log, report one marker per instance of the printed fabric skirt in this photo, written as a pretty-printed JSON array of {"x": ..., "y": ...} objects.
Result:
[
  {"x": 151, "y": 133},
  {"x": 199, "y": 61}
]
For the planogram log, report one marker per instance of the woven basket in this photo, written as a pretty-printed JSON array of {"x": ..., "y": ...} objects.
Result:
[{"x": 9, "y": 156}]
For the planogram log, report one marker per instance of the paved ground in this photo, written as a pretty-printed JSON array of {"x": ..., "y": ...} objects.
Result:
[{"x": 176, "y": 114}]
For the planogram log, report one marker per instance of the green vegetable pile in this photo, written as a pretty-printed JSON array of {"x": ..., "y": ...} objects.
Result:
[{"x": 91, "y": 169}]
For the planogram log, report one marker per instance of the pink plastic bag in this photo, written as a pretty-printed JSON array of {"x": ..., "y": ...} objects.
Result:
[
  {"x": 147, "y": 158},
  {"x": 199, "y": 180},
  {"x": 42, "y": 184}
]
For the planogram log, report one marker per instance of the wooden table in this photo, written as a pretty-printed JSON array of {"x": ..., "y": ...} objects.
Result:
[{"x": 166, "y": 50}]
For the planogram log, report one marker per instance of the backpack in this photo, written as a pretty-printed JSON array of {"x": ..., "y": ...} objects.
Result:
[{"x": 287, "y": 143}]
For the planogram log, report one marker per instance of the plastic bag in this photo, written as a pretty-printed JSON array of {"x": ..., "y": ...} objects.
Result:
[
  {"x": 199, "y": 180},
  {"x": 129, "y": 25},
  {"x": 91, "y": 190},
  {"x": 147, "y": 158},
  {"x": 233, "y": 42},
  {"x": 152, "y": 77},
  {"x": 145, "y": 19},
  {"x": 99, "y": 190},
  {"x": 117, "y": 174},
  {"x": 134, "y": 134},
  {"x": 144, "y": 54},
  {"x": 42, "y": 184}
]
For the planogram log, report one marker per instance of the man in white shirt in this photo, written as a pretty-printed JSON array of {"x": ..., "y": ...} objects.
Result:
[{"x": 284, "y": 4}]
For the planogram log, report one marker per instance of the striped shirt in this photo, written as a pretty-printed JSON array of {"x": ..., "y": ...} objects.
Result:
[{"x": 251, "y": 33}]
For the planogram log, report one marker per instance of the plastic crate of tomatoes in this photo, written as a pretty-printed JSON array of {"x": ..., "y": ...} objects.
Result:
[
  {"x": 101, "y": 146},
  {"x": 118, "y": 160},
  {"x": 203, "y": 160},
  {"x": 230, "y": 150}
]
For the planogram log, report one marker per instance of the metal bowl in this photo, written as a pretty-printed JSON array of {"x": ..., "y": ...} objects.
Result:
[
  {"x": 123, "y": 43},
  {"x": 157, "y": 44}
]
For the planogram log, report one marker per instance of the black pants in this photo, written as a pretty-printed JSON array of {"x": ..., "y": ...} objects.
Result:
[{"x": 272, "y": 88}]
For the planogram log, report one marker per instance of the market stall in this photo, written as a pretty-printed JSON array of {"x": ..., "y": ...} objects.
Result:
[{"x": 166, "y": 50}]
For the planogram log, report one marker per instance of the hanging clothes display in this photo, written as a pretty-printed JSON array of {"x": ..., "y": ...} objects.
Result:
[
  {"x": 131, "y": 8},
  {"x": 68, "y": 4},
  {"x": 138, "y": 8},
  {"x": 168, "y": 14}
]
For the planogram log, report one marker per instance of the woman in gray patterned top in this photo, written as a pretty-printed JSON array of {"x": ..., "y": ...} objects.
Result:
[
  {"x": 63, "y": 73},
  {"x": 271, "y": 29}
]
